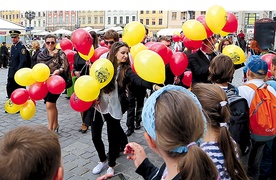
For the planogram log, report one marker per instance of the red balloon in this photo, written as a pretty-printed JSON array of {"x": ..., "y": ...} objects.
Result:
[
  {"x": 269, "y": 74},
  {"x": 201, "y": 19},
  {"x": 160, "y": 49},
  {"x": 176, "y": 38},
  {"x": 79, "y": 105},
  {"x": 70, "y": 55},
  {"x": 182, "y": 37},
  {"x": 191, "y": 44},
  {"x": 169, "y": 56},
  {"x": 38, "y": 90},
  {"x": 56, "y": 84},
  {"x": 231, "y": 23},
  {"x": 98, "y": 52},
  {"x": 179, "y": 63},
  {"x": 66, "y": 44},
  {"x": 187, "y": 78},
  {"x": 82, "y": 41},
  {"x": 71, "y": 65},
  {"x": 268, "y": 59},
  {"x": 19, "y": 96},
  {"x": 148, "y": 44},
  {"x": 102, "y": 44}
]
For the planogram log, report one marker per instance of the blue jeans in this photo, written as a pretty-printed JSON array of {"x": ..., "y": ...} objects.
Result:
[
  {"x": 268, "y": 160},
  {"x": 254, "y": 159}
]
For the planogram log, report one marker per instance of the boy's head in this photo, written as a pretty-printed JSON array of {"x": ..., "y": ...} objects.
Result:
[{"x": 257, "y": 68}]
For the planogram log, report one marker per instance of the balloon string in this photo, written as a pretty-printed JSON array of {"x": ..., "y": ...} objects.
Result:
[
  {"x": 212, "y": 49},
  {"x": 101, "y": 112}
]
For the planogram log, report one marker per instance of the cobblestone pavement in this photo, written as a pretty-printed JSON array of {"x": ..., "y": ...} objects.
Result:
[{"x": 78, "y": 153}]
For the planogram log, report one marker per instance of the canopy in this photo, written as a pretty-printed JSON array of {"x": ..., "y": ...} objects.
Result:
[
  {"x": 41, "y": 33},
  {"x": 6, "y": 26},
  {"x": 168, "y": 32},
  {"x": 62, "y": 31}
]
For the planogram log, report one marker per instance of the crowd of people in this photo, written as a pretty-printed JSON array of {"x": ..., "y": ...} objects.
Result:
[{"x": 196, "y": 145}]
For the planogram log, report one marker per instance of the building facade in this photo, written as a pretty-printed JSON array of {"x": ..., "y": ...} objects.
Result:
[
  {"x": 119, "y": 18},
  {"x": 38, "y": 23},
  {"x": 61, "y": 20},
  {"x": 13, "y": 16},
  {"x": 93, "y": 19}
]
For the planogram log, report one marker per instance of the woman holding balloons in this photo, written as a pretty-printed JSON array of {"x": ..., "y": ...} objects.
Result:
[
  {"x": 109, "y": 107},
  {"x": 57, "y": 62}
]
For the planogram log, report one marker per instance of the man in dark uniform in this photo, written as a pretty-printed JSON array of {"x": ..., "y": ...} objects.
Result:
[
  {"x": 17, "y": 59},
  {"x": 4, "y": 55}
]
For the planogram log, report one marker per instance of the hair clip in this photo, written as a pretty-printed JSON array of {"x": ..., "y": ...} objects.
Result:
[
  {"x": 223, "y": 103},
  {"x": 223, "y": 125}
]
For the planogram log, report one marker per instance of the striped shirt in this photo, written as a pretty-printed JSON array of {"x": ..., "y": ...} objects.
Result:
[{"x": 213, "y": 151}]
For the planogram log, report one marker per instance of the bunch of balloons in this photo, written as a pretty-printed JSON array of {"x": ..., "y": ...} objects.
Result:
[{"x": 40, "y": 83}]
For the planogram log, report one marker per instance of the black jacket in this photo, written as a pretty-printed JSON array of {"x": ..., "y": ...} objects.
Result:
[
  {"x": 149, "y": 172},
  {"x": 199, "y": 65}
]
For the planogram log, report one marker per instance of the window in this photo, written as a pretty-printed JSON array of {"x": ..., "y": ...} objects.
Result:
[
  {"x": 174, "y": 15},
  {"x": 73, "y": 19},
  {"x": 183, "y": 15},
  {"x": 121, "y": 19},
  {"x": 60, "y": 19},
  {"x": 108, "y": 20},
  {"x": 127, "y": 19},
  {"x": 43, "y": 14},
  {"x": 80, "y": 20},
  {"x": 160, "y": 12},
  {"x": 17, "y": 16},
  {"x": 21, "y": 16},
  {"x": 67, "y": 19},
  {"x": 55, "y": 20},
  {"x": 147, "y": 21},
  {"x": 133, "y": 18},
  {"x": 39, "y": 23},
  {"x": 25, "y": 22},
  {"x": 147, "y": 12},
  {"x": 142, "y": 21},
  {"x": 153, "y": 12},
  {"x": 160, "y": 22},
  {"x": 95, "y": 20},
  {"x": 202, "y": 12},
  {"x": 89, "y": 20},
  {"x": 153, "y": 22},
  {"x": 10, "y": 16},
  {"x": 34, "y": 23},
  {"x": 250, "y": 18},
  {"x": 83, "y": 20},
  {"x": 38, "y": 14},
  {"x": 141, "y": 12},
  {"x": 44, "y": 23},
  {"x": 101, "y": 20},
  {"x": 115, "y": 20},
  {"x": 192, "y": 14}
]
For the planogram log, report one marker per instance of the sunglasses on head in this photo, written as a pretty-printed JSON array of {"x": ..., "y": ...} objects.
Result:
[
  {"x": 108, "y": 42},
  {"x": 52, "y": 42}
]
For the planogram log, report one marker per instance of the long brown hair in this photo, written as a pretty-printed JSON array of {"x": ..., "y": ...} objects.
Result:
[
  {"x": 254, "y": 45},
  {"x": 123, "y": 67},
  {"x": 210, "y": 96},
  {"x": 179, "y": 122}
]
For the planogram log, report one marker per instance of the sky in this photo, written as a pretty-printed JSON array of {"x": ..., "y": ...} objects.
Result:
[{"x": 181, "y": 5}]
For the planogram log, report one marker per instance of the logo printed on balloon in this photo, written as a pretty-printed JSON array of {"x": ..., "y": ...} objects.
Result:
[
  {"x": 235, "y": 57},
  {"x": 102, "y": 74}
]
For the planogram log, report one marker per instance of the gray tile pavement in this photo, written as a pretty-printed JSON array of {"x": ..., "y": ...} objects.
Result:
[{"x": 78, "y": 152}]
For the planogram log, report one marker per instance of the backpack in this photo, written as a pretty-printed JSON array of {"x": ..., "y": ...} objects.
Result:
[
  {"x": 66, "y": 75},
  {"x": 262, "y": 113},
  {"x": 239, "y": 119}
]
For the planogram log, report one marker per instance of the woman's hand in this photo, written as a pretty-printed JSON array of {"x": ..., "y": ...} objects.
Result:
[
  {"x": 56, "y": 72},
  {"x": 135, "y": 152}
]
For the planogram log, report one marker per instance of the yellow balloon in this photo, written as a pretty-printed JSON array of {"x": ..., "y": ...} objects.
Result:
[
  {"x": 103, "y": 71},
  {"x": 194, "y": 30},
  {"x": 137, "y": 48},
  {"x": 223, "y": 33},
  {"x": 24, "y": 77},
  {"x": 58, "y": 46},
  {"x": 11, "y": 108},
  {"x": 27, "y": 110},
  {"x": 150, "y": 66},
  {"x": 40, "y": 72},
  {"x": 235, "y": 53},
  {"x": 216, "y": 18},
  {"x": 87, "y": 88},
  {"x": 89, "y": 55},
  {"x": 134, "y": 32}
]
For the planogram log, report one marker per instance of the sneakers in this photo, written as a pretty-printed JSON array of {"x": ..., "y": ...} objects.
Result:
[
  {"x": 100, "y": 167},
  {"x": 110, "y": 170}
]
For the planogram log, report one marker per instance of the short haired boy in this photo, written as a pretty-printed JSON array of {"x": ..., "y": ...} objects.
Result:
[
  {"x": 30, "y": 152},
  {"x": 256, "y": 74}
]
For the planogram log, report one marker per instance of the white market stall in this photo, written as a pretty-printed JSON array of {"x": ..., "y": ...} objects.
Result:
[
  {"x": 168, "y": 31},
  {"x": 6, "y": 26}
]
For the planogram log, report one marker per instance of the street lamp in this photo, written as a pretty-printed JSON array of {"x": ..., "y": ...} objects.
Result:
[{"x": 30, "y": 15}]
